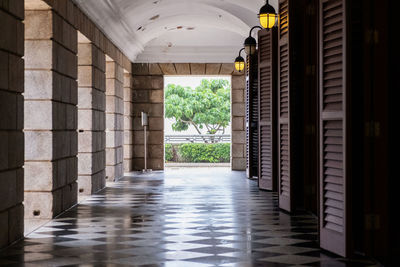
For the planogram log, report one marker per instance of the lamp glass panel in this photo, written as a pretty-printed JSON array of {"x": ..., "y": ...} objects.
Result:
[
  {"x": 250, "y": 49},
  {"x": 239, "y": 65},
  {"x": 267, "y": 21}
]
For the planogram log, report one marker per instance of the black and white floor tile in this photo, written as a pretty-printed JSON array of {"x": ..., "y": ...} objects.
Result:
[{"x": 183, "y": 217}]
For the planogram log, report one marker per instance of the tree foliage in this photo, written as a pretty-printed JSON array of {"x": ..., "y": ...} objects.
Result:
[{"x": 207, "y": 106}]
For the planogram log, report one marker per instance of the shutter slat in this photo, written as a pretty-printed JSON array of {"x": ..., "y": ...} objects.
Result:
[
  {"x": 334, "y": 219},
  {"x": 334, "y": 211},
  {"x": 333, "y": 203},
  {"x": 334, "y": 187},
  {"x": 334, "y": 179},
  {"x": 334, "y": 227}
]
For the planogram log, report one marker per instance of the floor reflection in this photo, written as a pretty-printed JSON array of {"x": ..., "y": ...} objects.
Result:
[{"x": 181, "y": 217}]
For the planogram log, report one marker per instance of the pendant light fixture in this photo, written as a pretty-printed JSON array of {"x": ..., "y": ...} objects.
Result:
[
  {"x": 250, "y": 44},
  {"x": 267, "y": 16},
  {"x": 239, "y": 62}
]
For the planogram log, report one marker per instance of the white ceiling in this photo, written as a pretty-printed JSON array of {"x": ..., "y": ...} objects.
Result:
[{"x": 161, "y": 31}]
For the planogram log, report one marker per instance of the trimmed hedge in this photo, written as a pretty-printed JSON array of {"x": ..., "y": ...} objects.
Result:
[
  {"x": 197, "y": 153},
  {"x": 169, "y": 154}
]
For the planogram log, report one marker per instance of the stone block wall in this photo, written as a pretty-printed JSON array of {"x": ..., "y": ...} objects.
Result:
[
  {"x": 11, "y": 121},
  {"x": 148, "y": 96},
  {"x": 91, "y": 117},
  {"x": 70, "y": 14},
  {"x": 114, "y": 120},
  {"x": 238, "y": 109},
  {"x": 128, "y": 122},
  {"x": 51, "y": 142}
]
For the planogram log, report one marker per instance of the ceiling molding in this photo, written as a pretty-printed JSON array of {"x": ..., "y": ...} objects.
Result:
[
  {"x": 144, "y": 69},
  {"x": 215, "y": 54}
]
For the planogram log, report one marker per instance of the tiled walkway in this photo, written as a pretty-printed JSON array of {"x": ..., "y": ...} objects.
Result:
[{"x": 186, "y": 217}]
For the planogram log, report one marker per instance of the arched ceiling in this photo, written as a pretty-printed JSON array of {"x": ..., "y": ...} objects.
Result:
[{"x": 197, "y": 31}]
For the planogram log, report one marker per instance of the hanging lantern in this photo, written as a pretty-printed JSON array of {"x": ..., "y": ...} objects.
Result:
[
  {"x": 239, "y": 62},
  {"x": 267, "y": 16},
  {"x": 250, "y": 45}
]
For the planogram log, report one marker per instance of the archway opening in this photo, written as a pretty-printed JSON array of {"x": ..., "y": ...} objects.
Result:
[{"x": 197, "y": 121}]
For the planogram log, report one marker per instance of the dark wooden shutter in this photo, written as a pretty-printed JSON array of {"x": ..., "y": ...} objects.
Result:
[
  {"x": 333, "y": 209},
  {"x": 284, "y": 189},
  {"x": 290, "y": 105},
  {"x": 311, "y": 106},
  {"x": 252, "y": 115},
  {"x": 267, "y": 109}
]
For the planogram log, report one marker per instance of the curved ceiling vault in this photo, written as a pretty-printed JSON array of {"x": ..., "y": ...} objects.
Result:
[{"x": 160, "y": 31}]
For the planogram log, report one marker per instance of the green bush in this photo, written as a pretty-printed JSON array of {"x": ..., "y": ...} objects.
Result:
[
  {"x": 169, "y": 153},
  {"x": 212, "y": 153}
]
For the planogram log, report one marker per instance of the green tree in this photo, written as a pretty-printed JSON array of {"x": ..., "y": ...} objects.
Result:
[{"x": 207, "y": 106}]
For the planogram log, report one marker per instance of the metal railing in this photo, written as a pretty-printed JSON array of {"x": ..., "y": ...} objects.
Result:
[{"x": 198, "y": 138}]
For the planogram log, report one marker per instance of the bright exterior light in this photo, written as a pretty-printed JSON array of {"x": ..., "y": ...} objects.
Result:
[
  {"x": 239, "y": 63},
  {"x": 267, "y": 16},
  {"x": 267, "y": 21}
]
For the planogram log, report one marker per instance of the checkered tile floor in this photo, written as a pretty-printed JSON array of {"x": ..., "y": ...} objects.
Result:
[{"x": 185, "y": 217}]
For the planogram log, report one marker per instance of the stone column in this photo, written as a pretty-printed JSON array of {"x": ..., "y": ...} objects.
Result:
[
  {"x": 51, "y": 141},
  {"x": 148, "y": 96},
  {"x": 91, "y": 117},
  {"x": 128, "y": 122},
  {"x": 238, "y": 154},
  {"x": 11, "y": 121},
  {"x": 114, "y": 120}
]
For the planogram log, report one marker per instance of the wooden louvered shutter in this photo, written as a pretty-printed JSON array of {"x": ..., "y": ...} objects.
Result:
[
  {"x": 284, "y": 187},
  {"x": 267, "y": 109},
  {"x": 252, "y": 115},
  {"x": 333, "y": 126}
]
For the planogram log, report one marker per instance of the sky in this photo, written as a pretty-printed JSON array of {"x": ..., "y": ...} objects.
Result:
[{"x": 191, "y": 81}]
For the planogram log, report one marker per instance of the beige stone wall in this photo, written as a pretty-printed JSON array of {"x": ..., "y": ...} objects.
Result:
[
  {"x": 50, "y": 115},
  {"x": 91, "y": 117},
  {"x": 68, "y": 12},
  {"x": 148, "y": 96},
  {"x": 50, "y": 143},
  {"x": 114, "y": 120},
  {"x": 238, "y": 154},
  {"x": 128, "y": 122},
  {"x": 71, "y": 13},
  {"x": 11, "y": 121}
]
